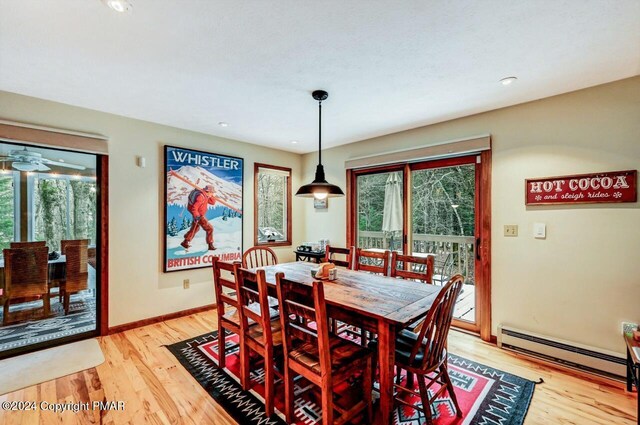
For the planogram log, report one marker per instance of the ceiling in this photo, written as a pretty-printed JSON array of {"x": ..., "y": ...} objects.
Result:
[{"x": 387, "y": 65}]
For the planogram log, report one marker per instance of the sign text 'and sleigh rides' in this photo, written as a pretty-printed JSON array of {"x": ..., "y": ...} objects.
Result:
[{"x": 615, "y": 186}]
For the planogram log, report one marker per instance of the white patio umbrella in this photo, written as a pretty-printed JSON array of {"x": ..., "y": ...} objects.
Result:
[{"x": 393, "y": 208}]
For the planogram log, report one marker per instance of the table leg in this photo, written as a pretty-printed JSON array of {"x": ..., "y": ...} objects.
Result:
[
  {"x": 387, "y": 355},
  {"x": 629, "y": 371}
]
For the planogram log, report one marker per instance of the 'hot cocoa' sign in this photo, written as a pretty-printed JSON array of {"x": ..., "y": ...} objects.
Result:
[{"x": 616, "y": 186}]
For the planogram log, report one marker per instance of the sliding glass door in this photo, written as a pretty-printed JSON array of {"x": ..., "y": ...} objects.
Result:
[
  {"x": 426, "y": 208},
  {"x": 49, "y": 247},
  {"x": 380, "y": 213},
  {"x": 443, "y": 221}
]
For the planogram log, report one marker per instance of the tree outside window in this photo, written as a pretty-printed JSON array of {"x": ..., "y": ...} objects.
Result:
[{"x": 272, "y": 205}]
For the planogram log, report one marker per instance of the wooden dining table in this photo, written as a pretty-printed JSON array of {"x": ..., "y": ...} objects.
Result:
[{"x": 379, "y": 304}]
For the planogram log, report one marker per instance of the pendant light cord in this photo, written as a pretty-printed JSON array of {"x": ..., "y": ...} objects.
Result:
[{"x": 320, "y": 132}]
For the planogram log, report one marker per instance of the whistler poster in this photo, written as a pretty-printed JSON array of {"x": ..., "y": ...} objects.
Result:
[{"x": 203, "y": 208}]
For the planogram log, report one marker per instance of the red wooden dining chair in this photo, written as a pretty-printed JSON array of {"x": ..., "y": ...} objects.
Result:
[
  {"x": 259, "y": 256},
  {"x": 323, "y": 359},
  {"x": 260, "y": 331},
  {"x": 26, "y": 275},
  {"x": 424, "y": 354},
  {"x": 331, "y": 251},
  {"x": 67, "y": 242},
  {"x": 374, "y": 262},
  {"x": 27, "y": 245},
  {"x": 77, "y": 272},
  {"x": 412, "y": 267},
  {"x": 226, "y": 304}
]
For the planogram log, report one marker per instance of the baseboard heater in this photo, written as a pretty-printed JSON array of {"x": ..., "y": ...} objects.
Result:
[{"x": 576, "y": 356}]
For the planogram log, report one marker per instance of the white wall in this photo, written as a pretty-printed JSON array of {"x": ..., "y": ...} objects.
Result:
[
  {"x": 584, "y": 279},
  {"x": 138, "y": 288}
]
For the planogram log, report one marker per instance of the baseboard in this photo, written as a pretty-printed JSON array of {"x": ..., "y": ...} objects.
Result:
[{"x": 157, "y": 319}]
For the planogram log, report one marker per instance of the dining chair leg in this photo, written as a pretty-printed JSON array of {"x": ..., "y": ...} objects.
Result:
[
  {"x": 367, "y": 383},
  {"x": 5, "y": 312},
  {"x": 47, "y": 305},
  {"x": 424, "y": 396},
  {"x": 374, "y": 366},
  {"x": 288, "y": 393},
  {"x": 244, "y": 365},
  {"x": 67, "y": 300},
  {"x": 269, "y": 383},
  {"x": 398, "y": 375},
  {"x": 327, "y": 405},
  {"x": 410, "y": 381},
  {"x": 222, "y": 346},
  {"x": 452, "y": 393}
]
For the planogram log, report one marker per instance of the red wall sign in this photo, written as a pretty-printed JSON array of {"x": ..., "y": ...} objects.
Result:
[{"x": 615, "y": 186}]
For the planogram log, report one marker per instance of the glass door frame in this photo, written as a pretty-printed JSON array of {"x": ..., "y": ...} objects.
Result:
[
  {"x": 102, "y": 245},
  {"x": 482, "y": 161}
]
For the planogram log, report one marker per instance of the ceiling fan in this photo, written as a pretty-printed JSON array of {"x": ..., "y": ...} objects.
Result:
[{"x": 24, "y": 160}]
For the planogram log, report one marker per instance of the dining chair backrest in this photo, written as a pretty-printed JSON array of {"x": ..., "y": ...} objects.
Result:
[
  {"x": 432, "y": 338},
  {"x": 65, "y": 243},
  {"x": 443, "y": 267},
  {"x": 374, "y": 261},
  {"x": 77, "y": 270},
  {"x": 253, "y": 301},
  {"x": 298, "y": 301},
  {"x": 259, "y": 256},
  {"x": 330, "y": 251},
  {"x": 221, "y": 282},
  {"x": 26, "y": 271},
  {"x": 28, "y": 245},
  {"x": 412, "y": 267}
]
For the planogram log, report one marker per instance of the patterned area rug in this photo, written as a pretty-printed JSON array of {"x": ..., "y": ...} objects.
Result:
[
  {"x": 486, "y": 395},
  {"x": 81, "y": 319}
]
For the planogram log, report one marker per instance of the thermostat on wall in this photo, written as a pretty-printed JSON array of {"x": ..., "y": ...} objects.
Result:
[{"x": 539, "y": 230}]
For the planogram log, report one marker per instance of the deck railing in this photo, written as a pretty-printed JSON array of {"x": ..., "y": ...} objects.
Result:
[{"x": 454, "y": 254}]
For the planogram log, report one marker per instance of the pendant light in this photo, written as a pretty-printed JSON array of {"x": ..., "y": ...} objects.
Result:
[{"x": 319, "y": 188}]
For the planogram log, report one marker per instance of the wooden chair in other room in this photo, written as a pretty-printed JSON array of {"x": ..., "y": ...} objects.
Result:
[
  {"x": 260, "y": 331},
  {"x": 27, "y": 245},
  {"x": 323, "y": 359},
  {"x": 77, "y": 272},
  {"x": 412, "y": 267},
  {"x": 330, "y": 251},
  {"x": 65, "y": 243},
  {"x": 375, "y": 262},
  {"x": 259, "y": 256},
  {"x": 58, "y": 281},
  {"x": 228, "y": 318},
  {"x": 424, "y": 354},
  {"x": 26, "y": 275}
]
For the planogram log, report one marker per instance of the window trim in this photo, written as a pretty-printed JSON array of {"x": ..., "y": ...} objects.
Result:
[{"x": 256, "y": 169}]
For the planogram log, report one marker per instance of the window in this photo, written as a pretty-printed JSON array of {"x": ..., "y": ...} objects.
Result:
[
  {"x": 272, "y": 204},
  {"x": 64, "y": 207},
  {"x": 8, "y": 225}
]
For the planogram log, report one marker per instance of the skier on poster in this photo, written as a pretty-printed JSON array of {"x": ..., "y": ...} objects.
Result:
[{"x": 199, "y": 201}]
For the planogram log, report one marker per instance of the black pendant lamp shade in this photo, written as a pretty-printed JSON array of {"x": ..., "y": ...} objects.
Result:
[{"x": 319, "y": 188}]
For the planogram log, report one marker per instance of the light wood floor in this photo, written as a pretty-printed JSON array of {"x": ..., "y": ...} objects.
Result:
[{"x": 157, "y": 390}]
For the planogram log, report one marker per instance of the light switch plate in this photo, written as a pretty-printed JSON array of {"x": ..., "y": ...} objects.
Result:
[
  {"x": 539, "y": 230},
  {"x": 511, "y": 230}
]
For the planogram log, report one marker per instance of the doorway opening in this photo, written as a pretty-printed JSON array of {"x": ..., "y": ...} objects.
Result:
[{"x": 50, "y": 247}]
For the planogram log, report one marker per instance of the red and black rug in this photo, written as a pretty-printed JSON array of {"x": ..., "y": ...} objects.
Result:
[{"x": 486, "y": 395}]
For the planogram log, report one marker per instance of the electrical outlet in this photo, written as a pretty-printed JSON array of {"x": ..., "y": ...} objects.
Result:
[
  {"x": 185, "y": 283},
  {"x": 511, "y": 230},
  {"x": 629, "y": 327}
]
